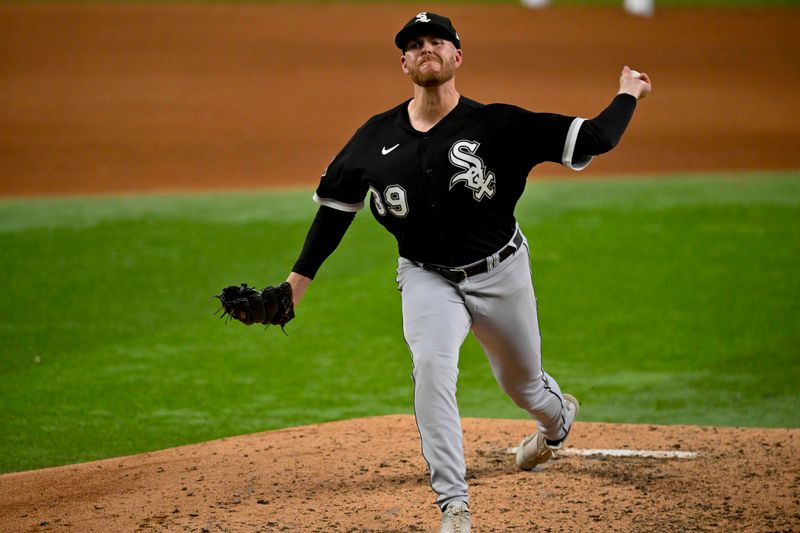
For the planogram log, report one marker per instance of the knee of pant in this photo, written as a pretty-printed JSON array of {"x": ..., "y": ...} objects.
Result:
[{"x": 435, "y": 365}]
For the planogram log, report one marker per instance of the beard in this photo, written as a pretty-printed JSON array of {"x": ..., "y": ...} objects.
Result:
[{"x": 433, "y": 78}]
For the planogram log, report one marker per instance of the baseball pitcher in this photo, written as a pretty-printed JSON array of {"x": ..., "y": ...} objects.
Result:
[{"x": 444, "y": 174}]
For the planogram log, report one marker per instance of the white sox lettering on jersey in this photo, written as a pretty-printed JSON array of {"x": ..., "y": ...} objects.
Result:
[{"x": 475, "y": 176}]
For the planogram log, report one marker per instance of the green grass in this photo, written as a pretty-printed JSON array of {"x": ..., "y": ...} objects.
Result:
[{"x": 674, "y": 300}]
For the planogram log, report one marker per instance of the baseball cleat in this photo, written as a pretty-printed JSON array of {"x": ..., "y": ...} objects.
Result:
[
  {"x": 456, "y": 518},
  {"x": 534, "y": 450}
]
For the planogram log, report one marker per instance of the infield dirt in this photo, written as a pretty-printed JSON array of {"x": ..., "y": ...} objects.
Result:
[
  {"x": 367, "y": 475},
  {"x": 131, "y": 98},
  {"x": 167, "y": 98}
]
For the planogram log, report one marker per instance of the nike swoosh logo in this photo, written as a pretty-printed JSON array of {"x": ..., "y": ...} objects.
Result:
[{"x": 385, "y": 150}]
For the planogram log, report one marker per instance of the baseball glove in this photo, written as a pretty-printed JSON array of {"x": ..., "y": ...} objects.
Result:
[{"x": 272, "y": 305}]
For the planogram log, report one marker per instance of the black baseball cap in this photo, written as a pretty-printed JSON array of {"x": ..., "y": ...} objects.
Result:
[{"x": 427, "y": 22}]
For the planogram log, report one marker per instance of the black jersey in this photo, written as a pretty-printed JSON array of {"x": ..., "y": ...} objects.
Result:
[{"x": 447, "y": 195}]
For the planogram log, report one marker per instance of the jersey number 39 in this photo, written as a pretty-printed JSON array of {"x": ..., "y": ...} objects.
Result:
[{"x": 393, "y": 198}]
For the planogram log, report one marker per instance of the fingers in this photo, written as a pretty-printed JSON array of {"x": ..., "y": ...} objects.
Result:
[
  {"x": 634, "y": 82},
  {"x": 628, "y": 72}
]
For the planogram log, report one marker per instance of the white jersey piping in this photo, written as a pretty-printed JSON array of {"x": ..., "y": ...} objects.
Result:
[
  {"x": 569, "y": 147},
  {"x": 340, "y": 206}
]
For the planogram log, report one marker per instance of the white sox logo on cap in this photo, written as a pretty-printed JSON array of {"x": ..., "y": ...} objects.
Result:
[
  {"x": 475, "y": 176},
  {"x": 425, "y": 21}
]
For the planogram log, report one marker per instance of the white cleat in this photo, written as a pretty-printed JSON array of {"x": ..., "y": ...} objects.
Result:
[
  {"x": 456, "y": 518},
  {"x": 533, "y": 450}
]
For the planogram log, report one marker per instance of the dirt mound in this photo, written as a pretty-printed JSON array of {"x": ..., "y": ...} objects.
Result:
[{"x": 367, "y": 475}]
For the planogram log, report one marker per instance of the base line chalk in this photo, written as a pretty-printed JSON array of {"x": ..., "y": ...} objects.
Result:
[{"x": 656, "y": 454}]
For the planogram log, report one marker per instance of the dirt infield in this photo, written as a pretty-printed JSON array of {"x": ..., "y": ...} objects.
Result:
[
  {"x": 367, "y": 475},
  {"x": 170, "y": 98},
  {"x": 138, "y": 97}
]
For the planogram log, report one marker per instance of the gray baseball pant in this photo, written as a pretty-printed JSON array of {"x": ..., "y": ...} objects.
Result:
[{"x": 499, "y": 306}]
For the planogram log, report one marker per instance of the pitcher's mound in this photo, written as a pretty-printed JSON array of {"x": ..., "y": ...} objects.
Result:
[{"x": 368, "y": 475}]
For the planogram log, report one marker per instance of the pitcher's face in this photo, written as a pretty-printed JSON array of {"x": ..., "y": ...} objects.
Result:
[{"x": 430, "y": 60}]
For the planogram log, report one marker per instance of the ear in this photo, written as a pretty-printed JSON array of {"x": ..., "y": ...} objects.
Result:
[
  {"x": 403, "y": 64},
  {"x": 458, "y": 58}
]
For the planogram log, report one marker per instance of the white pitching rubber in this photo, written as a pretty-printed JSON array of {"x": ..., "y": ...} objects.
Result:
[{"x": 654, "y": 454}]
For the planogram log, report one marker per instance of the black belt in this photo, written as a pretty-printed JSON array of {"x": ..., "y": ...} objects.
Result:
[{"x": 459, "y": 274}]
